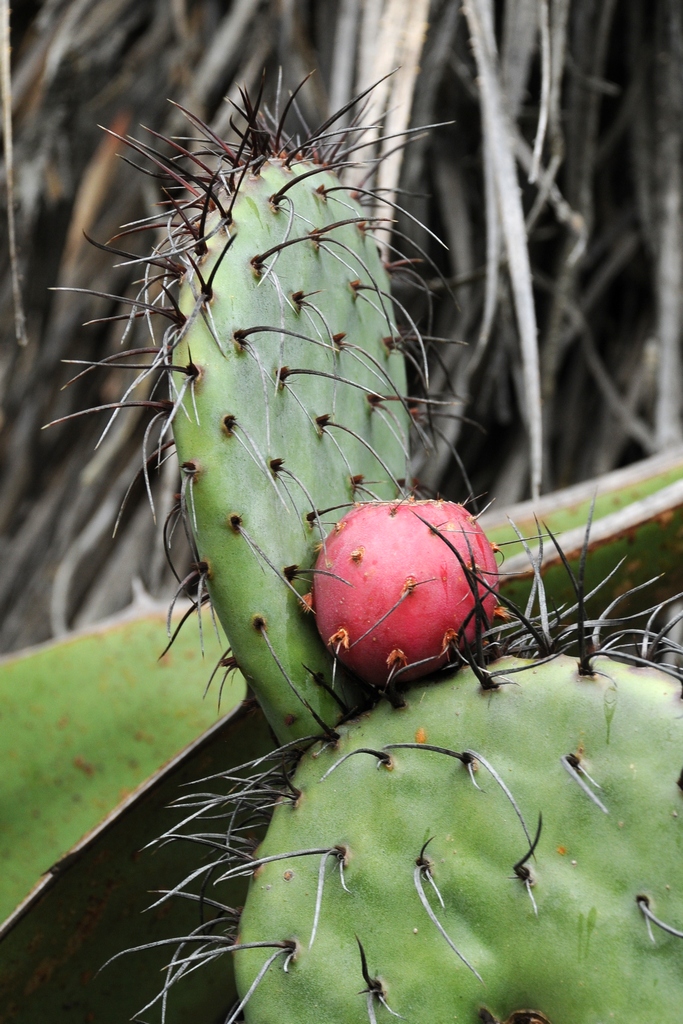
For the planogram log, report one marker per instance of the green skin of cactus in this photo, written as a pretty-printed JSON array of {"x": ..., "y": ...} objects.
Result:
[
  {"x": 585, "y": 958},
  {"x": 250, "y": 513}
]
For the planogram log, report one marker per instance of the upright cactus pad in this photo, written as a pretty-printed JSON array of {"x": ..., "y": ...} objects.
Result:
[
  {"x": 294, "y": 410},
  {"x": 285, "y": 360}
]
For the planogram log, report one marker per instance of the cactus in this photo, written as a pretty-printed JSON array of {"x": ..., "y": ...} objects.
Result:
[{"x": 532, "y": 901}]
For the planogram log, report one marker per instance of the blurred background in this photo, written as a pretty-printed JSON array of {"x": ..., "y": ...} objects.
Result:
[{"x": 552, "y": 173}]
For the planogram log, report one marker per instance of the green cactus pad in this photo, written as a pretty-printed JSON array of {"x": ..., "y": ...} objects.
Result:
[
  {"x": 292, "y": 394},
  {"x": 611, "y": 832}
]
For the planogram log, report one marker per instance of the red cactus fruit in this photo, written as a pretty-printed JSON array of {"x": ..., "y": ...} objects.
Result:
[{"x": 391, "y": 597}]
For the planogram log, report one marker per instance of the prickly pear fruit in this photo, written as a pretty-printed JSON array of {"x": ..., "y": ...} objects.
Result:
[
  {"x": 491, "y": 852},
  {"x": 392, "y": 599}
]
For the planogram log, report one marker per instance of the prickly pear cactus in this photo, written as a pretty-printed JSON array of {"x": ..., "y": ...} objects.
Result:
[{"x": 500, "y": 843}]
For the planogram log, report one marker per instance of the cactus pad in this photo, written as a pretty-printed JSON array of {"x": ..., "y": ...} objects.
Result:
[
  {"x": 292, "y": 402},
  {"x": 456, "y": 919}
]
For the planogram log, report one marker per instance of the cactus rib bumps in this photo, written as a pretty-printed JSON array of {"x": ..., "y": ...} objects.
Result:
[{"x": 500, "y": 840}]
